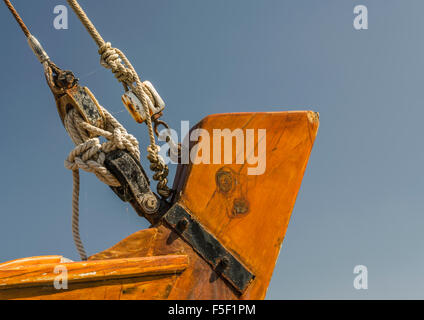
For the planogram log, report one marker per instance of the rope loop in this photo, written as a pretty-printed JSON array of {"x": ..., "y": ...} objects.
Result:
[{"x": 89, "y": 154}]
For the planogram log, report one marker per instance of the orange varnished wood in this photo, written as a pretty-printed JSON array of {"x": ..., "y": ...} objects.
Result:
[
  {"x": 139, "y": 245},
  {"x": 103, "y": 271},
  {"x": 158, "y": 264},
  {"x": 198, "y": 281},
  {"x": 143, "y": 288},
  {"x": 256, "y": 236},
  {"x": 33, "y": 261}
]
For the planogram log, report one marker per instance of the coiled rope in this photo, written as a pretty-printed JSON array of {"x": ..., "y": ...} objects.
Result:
[{"x": 115, "y": 59}]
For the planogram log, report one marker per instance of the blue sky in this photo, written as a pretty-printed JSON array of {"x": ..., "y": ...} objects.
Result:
[{"x": 361, "y": 199}]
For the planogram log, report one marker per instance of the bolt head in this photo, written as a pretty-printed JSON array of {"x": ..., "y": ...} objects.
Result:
[
  {"x": 149, "y": 203},
  {"x": 66, "y": 79},
  {"x": 223, "y": 263},
  {"x": 182, "y": 224}
]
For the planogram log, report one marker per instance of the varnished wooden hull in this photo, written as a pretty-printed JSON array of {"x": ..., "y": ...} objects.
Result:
[
  {"x": 247, "y": 214},
  {"x": 132, "y": 278}
]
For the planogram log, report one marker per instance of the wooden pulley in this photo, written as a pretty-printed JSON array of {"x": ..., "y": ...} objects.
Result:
[
  {"x": 134, "y": 106},
  {"x": 83, "y": 100},
  {"x": 69, "y": 94}
]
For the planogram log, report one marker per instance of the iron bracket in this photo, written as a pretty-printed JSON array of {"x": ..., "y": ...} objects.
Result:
[
  {"x": 208, "y": 247},
  {"x": 135, "y": 185}
]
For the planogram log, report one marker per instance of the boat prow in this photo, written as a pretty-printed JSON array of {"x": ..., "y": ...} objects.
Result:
[{"x": 220, "y": 236}]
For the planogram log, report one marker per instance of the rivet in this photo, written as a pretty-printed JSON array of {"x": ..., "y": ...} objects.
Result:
[
  {"x": 223, "y": 263},
  {"x": 182, "y": 224}
]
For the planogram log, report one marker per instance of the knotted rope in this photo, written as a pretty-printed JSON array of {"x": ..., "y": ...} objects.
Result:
[
  {"x": 89, "y": 155},
  {"x": 115, "y": 59}
]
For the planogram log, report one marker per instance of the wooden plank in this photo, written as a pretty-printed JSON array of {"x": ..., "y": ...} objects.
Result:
[
  {"x": 139, "y": 288},
  {"x": 44, "y": 274}
]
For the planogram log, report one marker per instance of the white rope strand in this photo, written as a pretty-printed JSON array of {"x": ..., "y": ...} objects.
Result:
[
  {"x": 89, "y": 155},
  {"x": 75, "y": 215}
]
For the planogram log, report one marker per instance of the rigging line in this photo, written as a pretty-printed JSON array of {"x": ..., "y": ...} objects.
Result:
[
  {"x": 35, "y": 46},
  {"x": 17, "y": 18},
  {"x": 45, "y": 60},
  {"x": 114, "y": 59},
  {"x": 86, "y": 22}
]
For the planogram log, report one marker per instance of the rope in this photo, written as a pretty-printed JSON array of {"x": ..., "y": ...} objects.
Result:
[
  {"x": 17, "y": 18},
  {"x": 89, "y": 155},
  {"x": 112, "y": 58},
  {"x": 75, "y": 215},
  {"x": 86, "y": 22},
  {"x": 35, "y": 46}
]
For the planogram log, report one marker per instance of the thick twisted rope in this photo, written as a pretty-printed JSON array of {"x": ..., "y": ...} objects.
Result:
[
  {"x": 89, "y": 155},
  {"x": 125, "y": 73},
  {"x": 17, "y": 18},
  {"x": 75, "y": 215}
]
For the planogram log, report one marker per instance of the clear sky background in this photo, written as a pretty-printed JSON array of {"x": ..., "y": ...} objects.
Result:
[{"x": 361, "y": 201}]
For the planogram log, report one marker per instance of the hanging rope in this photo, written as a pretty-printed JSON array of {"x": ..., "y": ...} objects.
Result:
[
  {"x": 75, "y": 215},
  {"x": 112, "y": 58},
  {"x": 89, "y": 155}
]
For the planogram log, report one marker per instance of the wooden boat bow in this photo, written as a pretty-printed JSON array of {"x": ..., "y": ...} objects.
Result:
[
  {"x": 217, "y": 238},
  {"x": 247, "y": 215}
]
